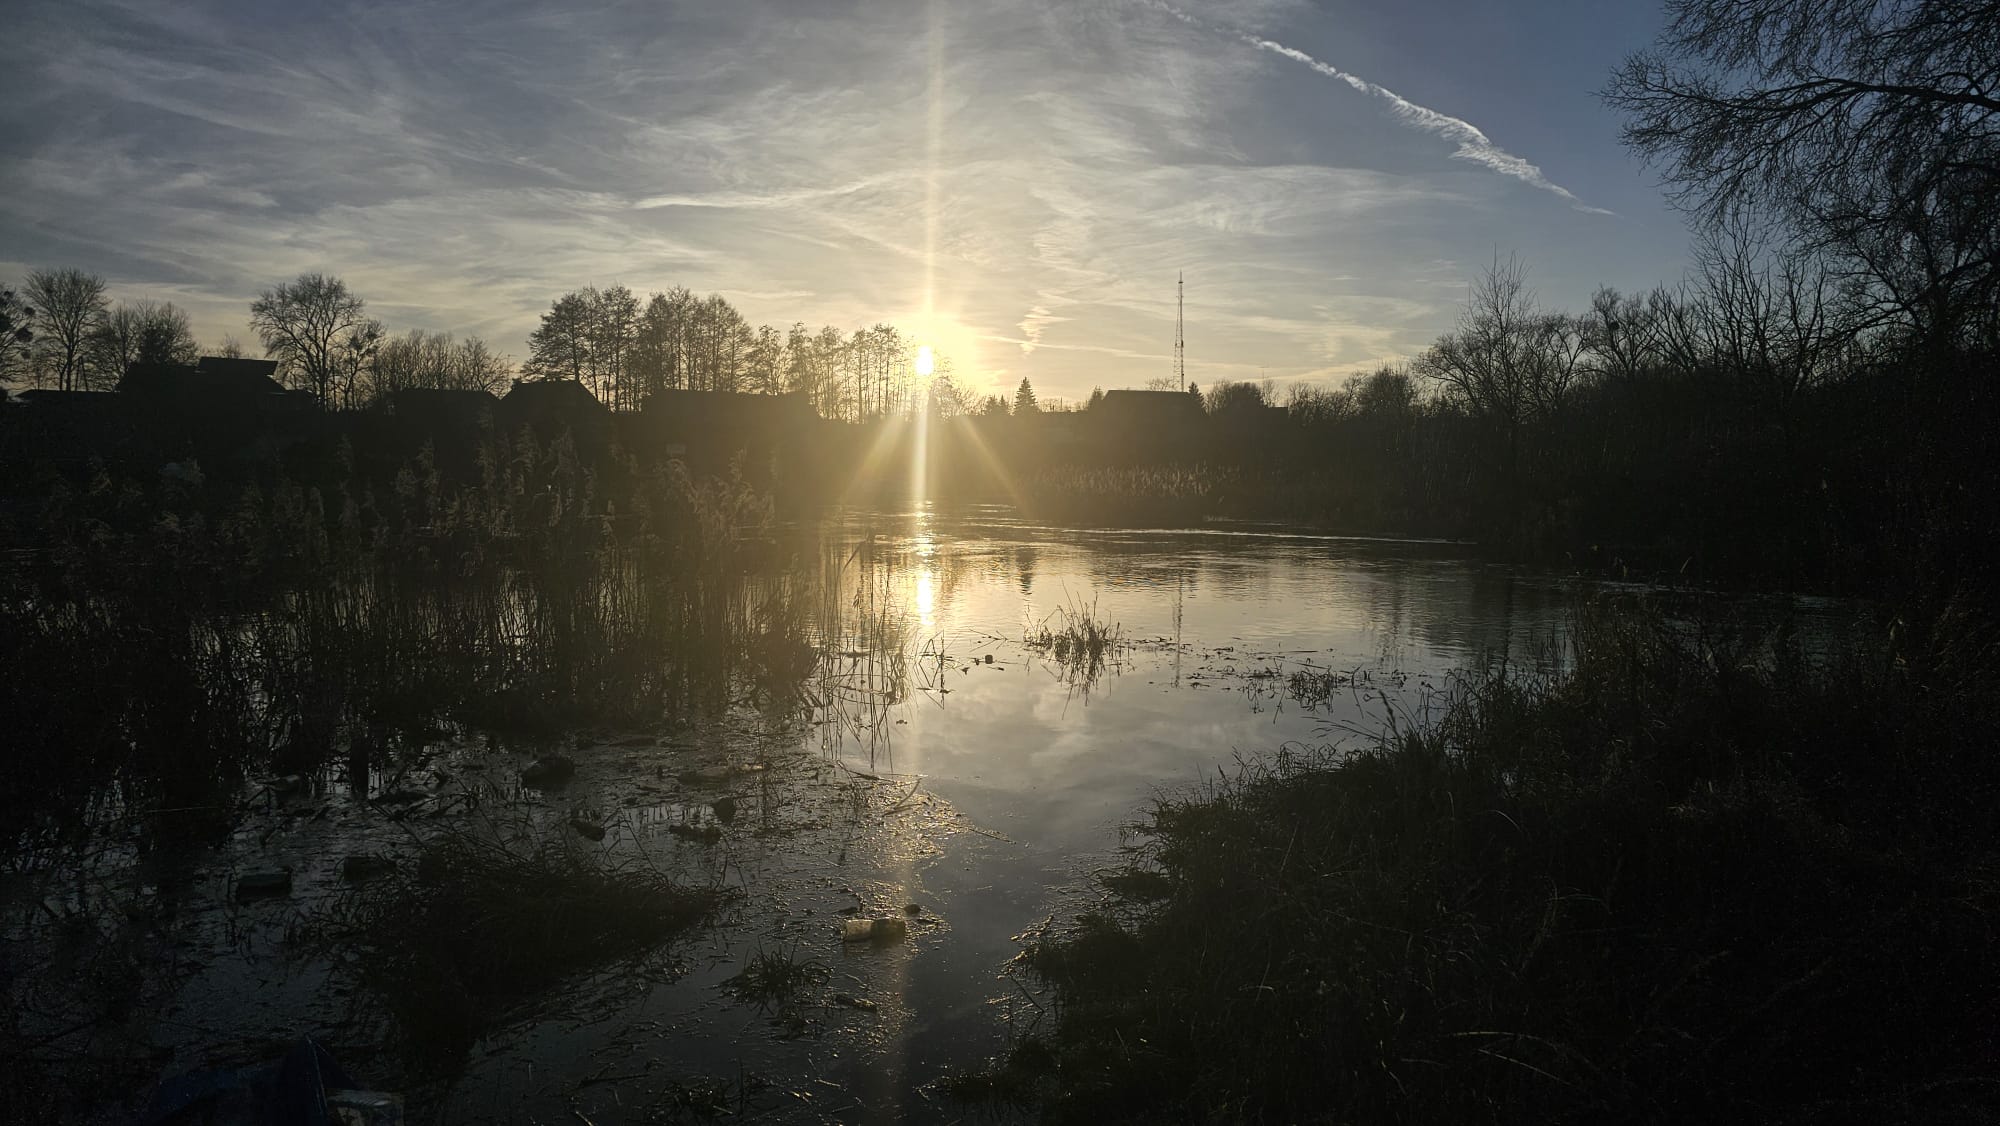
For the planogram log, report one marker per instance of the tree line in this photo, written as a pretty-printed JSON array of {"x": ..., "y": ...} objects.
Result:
[
  {"x": 625, "y": 350},
  {"x": 61, "y": 331}
]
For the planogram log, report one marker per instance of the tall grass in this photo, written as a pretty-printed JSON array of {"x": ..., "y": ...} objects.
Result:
[
  {"x": 1127, "y": 495},
  {"x": 1697, "y": 876}
]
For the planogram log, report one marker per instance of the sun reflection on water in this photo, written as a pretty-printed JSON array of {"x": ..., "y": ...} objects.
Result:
[{"x": 927, "y": 599}]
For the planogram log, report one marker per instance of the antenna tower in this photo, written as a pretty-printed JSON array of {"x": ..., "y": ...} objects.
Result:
[{"x": 1180, "y": 330}]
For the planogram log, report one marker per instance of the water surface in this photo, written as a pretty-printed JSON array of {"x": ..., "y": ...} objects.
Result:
[{"x": 938, "y": 761}]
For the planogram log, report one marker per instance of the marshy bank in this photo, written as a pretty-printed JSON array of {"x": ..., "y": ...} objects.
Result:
[
  {"x": 285, "y": 758},
  {"x": 1703, "y": 873}
]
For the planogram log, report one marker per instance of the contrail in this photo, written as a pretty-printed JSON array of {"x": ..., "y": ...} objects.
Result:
[{"x": 1473, "y": 145}]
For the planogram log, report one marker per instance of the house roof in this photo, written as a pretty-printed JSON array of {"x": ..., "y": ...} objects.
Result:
[
  {"x": 226, "y": 378},
  {"x": 551, "y": 394},
  {"x": 237, "y": 367},
  {"x": 1150, "y": 404}
]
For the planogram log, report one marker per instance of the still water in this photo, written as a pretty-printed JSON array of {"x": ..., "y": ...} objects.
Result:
[
  {"x": 1215, "y": 624},
  {"x": 1034, "y": 765},
  {"x": 942, "y": 770}
]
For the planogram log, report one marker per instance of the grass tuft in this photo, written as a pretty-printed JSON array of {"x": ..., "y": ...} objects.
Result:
[
  {"x": 1079, "y": 642},
  {"x": 777, "y": 977}
]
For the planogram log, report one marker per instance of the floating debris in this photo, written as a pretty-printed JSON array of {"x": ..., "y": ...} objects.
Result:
[{"x": 886, "y": 929}]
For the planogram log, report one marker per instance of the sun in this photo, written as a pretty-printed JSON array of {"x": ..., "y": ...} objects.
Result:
[{"x": 926, "y": 363}]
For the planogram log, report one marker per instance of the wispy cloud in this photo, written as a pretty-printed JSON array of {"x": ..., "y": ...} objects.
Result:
[
  {"x": 1473, "y": 144},
  {"x": 1031, "y": 326},
  {"x": 462, "y": 163}
]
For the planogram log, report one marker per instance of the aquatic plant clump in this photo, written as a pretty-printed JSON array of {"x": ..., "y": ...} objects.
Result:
[
  {"x": 777, "y": 977},
  {"x": 1074, "y": 635}
]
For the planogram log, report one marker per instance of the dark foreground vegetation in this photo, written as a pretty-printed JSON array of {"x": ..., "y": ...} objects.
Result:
[{"x": 1699, "y": 876}]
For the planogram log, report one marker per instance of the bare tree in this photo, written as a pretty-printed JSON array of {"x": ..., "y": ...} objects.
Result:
[
  {"x": 69, "y": 307},
  {"x": 1507, "y": 359},
  {"x": 166, "y": 336},
  {"x": 353, "y": 354},
  {"x": 305, "y": 323},
  {"x": 1227, "y": 396},
  {"x": 1872, "y": 126},
  {"x": 433, "y": 361},
  {"x": 1386, "y": 393},
  {"x": 947, "y": 399},
  {"x": 599, "y": 338},
  {"x": 475, "y": 367},
  {"x": 660, "y": 342},
  {"x": 1507, "y": 362},
  {"x": 17, "y": 332},
  {"x": 560, "y": 347},
  {"x": 614, "y": 322},
  {"x": 829, "y": 356},
  {"x": 1622, "y": 329},
  {"x": 1776, "y": 320},
  {"x": 764, "y": 364},
  {"x": 143, "y": 332}
]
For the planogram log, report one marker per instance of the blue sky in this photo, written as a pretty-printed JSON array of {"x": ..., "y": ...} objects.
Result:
[{"x": 1017, "y": 181}]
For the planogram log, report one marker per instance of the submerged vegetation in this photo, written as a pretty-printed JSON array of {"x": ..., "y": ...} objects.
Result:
[
  {"x": 485, "y": 919},
  {"x": 1702, "y": 874}
]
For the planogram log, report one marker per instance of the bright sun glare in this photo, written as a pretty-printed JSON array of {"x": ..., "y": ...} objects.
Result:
[{"x": 924, "y": 361}]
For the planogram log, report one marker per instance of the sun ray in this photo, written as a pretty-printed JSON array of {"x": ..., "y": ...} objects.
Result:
[{"x": 873, "y": 463}]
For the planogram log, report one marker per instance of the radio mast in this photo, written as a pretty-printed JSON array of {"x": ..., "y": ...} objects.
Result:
[{"x": 1180, "y": 330}]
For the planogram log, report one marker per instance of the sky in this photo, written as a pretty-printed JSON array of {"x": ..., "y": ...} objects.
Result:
[{"x": 1017, "y": 182}]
